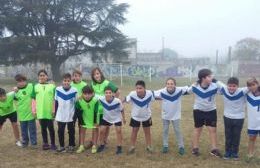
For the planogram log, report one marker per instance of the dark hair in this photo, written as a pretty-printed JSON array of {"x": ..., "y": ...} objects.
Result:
[
  {"x": 66, "y": 76},
  {"x": 251, "y": 81},
  {"x": 76, "y": 71},
  {"x": 108, "y": 88},
  {"x": 42, "y": 71},
  {"x": 233, "y": 80},
  {"x": 87, "y": 89},
  {"x": 20, "y": 77},
  {"x": 140, "y": 82},
  {"x": 2, "y": 92},
  {"x": 174, "y": 81},
  {"x": 93, "y": 72},
  {"x": 203, "y": 73}
]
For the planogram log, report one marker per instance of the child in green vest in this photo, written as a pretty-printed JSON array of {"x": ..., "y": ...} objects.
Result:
[
  {"x": 24, "y": 110},
  {"x": 78, "y": 83},
  {"x": 44, "y": 99},
  {"x": 99, "y": 83},
  {"x": 86, "y": 110},
  {"x": 7, "y": 111}
]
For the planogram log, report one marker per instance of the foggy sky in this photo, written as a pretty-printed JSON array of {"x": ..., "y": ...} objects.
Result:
[{"x": 192, "y": 27}]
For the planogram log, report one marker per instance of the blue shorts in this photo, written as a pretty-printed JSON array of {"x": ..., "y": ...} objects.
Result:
[{"x": 253, "y": 132}]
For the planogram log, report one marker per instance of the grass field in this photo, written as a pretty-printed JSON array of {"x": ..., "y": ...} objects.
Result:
[{"x": 12, "y": 156}]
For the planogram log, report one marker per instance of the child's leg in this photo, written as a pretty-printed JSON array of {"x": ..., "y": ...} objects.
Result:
[
  {"x": 15, "y": 131},
  {"x": 134, "y": 136},
  {"x": 251, "y": 145},
  {"x": 102, "y": 131},
  {"x": 95, "y": 136},
  {"x": 24, "y": 131},
  {"x": 178, "y": 134},
  {"x": 32, "y": 132},
  {"x": 119, "y": 136},
  {"x": 107, "y": 134},
  {"x": 166, "y": 124},
  {"x": 213, "y": 136},
  {"x": 61, "y": 129},
  {"x": 51, "y": 131},
  {"x": 147, "y": 134},
  {"x": 196, "y": 137},
  {"x": 82, "y": 135},
  {"x": 236, "y": 135},
  {"x": 71, "y": 132},
  {"x": 228, "y": 135},
  {"x": 44, "y": 125}
]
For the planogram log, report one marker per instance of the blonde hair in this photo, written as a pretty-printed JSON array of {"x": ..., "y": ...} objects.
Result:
[{"x": 252, "y": 81}]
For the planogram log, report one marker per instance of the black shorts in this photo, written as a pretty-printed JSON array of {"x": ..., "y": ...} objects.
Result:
[
  {"x": 147, "y": 123},
  {"x": 105, "y": 123},
  {"x": 12, "y": 117},
  {"x": 207, "y": 118}
]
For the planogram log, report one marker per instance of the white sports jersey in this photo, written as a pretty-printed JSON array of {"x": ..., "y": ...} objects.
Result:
[
  {"x": 205, "y": 98},
  {"x": 112, "y": 110},
  {"x": 141, "y": 110},
  {"x": 234, "y": 104},
  {"x": 253, "y": 111},
  {"x": 171, "y": 102},
  {"x": 66, "y": 104}
]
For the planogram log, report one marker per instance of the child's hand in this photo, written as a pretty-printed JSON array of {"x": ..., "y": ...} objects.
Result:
[
  {"x": 15, "y": 89},
  {"x": 96, "y": 125}
]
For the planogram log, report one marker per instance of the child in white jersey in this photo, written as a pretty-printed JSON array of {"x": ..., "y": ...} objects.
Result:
[
  {"x": 234, "y": 114},
  {"x": 171, "y": 112},
  {"x": 65, "y": 99},
  {"x": 140, "y": 114},
  {"x": 204, "y": 110},
  {"x": 113, "y": 115},
  {"x": 253, "y": 112}
]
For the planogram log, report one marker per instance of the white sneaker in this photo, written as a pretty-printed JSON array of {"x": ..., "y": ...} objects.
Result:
[{"x": 18, "y": 143}]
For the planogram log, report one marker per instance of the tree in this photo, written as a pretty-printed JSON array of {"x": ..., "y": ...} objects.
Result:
[
  {"x": 51, "y": 31},
  {"x": 247, "y": 49}
]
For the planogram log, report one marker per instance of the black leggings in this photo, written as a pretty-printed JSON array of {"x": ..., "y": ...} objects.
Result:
[
  {"x": 71, "y": 132},
  {"x": 47, "y": 124}
]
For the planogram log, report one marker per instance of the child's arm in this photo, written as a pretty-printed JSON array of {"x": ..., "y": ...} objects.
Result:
[
  {"x": 157, "y": 94},
  {"x": 78, "y": 113},
  {"x": 127, "y": 99},
  {"x": 96, "y": 108}
]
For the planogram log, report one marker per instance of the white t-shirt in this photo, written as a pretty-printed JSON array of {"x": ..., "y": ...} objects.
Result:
[
  {"x": 171, "y": 102},
  {"x": 253, "y": 111},
  {"x": 66, "y": 104},
  {"x": 112, "y": 110},
  {"x": 234, "y": 104},
  {"x": 205, "y": 98},
  {"x": 141, "y": 107}
]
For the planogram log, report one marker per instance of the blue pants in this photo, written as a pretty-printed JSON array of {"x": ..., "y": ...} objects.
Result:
[{"x": 28, "y": 129}]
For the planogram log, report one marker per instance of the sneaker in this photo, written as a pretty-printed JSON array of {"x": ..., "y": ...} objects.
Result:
[
  {"x": 34, "y": 146},
  {"x": 249, "y": 158},
  {"x": 215, "y": 152},
  {"x": 181, "y": 151},
  {"x": 45, "y": 147},
  {"x": 53, "y": 147},
  {"x": 195, "y": 151},
  {"x": 61, "y": 150},
  {"x": 165, "y": 149},
  {"x": 19, "y": 144},
  {"x": 70, "y": 149},
  {"x": 149, "y": 149},
  {"x": 89, "y": 145},
  {"x": 235, "y": 156},
  {"x": 227, "y": 156},
  {"x": 81, "y": 149},
  {"x": 131, "y": 150},
  {"x": 101, "y": 148},
  {"x": 94, "y": 149},
  {"x": 119, "y": 150}
]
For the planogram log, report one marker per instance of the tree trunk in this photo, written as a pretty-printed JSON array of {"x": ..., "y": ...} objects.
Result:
[{"x": 55, "y": 69}]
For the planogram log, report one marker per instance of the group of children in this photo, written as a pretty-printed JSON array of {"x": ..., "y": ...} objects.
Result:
[{"x": 97, "y": 106}]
